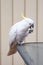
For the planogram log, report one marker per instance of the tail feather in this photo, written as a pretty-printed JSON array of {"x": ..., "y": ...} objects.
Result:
[{"x": 12, "y": 49}]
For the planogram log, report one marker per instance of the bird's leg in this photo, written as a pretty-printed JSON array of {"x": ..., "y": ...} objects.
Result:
[{"x": 18, "y": 43}]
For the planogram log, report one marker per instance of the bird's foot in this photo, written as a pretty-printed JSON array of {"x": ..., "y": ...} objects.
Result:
[{"x": 19, "y": 43}]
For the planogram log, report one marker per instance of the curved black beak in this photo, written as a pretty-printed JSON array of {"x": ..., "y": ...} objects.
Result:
[{"x": 31, "y": 28}]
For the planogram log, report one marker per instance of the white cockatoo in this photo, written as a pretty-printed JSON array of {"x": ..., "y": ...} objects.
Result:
[{"x": 18, "y": 32}]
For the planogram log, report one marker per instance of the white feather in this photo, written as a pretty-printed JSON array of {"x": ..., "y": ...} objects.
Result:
[{"x": 20, "y": 30}]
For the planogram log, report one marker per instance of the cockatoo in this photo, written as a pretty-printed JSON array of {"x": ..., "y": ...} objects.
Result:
[{"x": 18, "y": 32}]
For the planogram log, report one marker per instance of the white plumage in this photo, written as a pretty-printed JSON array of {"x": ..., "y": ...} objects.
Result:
[{"x": 20, "y": 30}]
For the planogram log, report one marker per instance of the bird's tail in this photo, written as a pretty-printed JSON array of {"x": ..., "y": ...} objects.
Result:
[{"x": 12, "y": 49}]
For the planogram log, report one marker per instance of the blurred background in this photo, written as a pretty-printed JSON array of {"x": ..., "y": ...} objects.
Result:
[{"x": 10, "y": 13}]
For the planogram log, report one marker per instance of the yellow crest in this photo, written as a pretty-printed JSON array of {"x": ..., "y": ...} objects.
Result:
[{"x": 22, "y": 15}]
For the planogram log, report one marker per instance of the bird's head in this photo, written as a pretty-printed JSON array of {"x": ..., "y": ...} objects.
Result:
[{"x": 31, "y": 24}]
